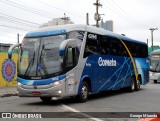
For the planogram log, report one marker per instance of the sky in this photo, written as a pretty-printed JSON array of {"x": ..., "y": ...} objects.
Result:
[{"x": 133, "y": 18}]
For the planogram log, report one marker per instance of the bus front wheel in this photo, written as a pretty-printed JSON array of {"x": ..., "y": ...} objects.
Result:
[{"x": 83, "y": 97}]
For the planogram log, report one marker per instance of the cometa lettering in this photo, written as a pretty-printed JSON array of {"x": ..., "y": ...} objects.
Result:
[{"x": 102, "y": 62}]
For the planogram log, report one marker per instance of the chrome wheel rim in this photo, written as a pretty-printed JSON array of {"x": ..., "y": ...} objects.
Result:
[
  {"x": 84, "y": 92},
  {"x": 138, "y": 84},
  {"x": 133, "y": 85}
]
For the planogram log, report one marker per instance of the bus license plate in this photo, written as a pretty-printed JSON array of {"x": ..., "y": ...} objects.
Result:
[{"x": 36, "y": 93}]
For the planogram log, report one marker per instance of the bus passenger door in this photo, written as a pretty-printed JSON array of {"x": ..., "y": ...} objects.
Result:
[
  {"x": 70, "y": 54},
  {"x": 71, "y": 61}
]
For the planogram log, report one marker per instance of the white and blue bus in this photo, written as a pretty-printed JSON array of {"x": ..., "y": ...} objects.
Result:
[
  {"x": 155, "y": 66},
  {"x": 75, "y": 60}
]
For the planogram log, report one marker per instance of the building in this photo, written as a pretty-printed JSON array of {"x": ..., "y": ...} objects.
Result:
[
  {"x": 4, "y": 47},
  {"x": 107, "y": 25},
  {"x": 57, "y": 21}
]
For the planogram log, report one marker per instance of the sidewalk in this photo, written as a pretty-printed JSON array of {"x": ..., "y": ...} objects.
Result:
[{"x": 8, "y": 91}]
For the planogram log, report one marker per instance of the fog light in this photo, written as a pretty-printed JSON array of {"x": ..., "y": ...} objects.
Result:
[{"x": 59, "y": 91}]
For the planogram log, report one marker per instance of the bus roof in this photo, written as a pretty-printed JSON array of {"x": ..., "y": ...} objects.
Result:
[
  {"x": 155, "y": 52},
  {"x": 61, "y": 29}
]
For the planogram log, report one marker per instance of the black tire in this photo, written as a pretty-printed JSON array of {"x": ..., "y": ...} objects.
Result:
[
  {"x": 83, "y": 97},
  {"x": 131, "y": 88},
  {"x": 155, "y": 81},
  {"x": 46, "y": 99},
  {"x": 137, "y": 85}
]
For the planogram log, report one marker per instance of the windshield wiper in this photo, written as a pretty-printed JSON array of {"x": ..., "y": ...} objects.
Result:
[
  {"x": 42, "y": 62},
  {"x": 31, "y": 62}
]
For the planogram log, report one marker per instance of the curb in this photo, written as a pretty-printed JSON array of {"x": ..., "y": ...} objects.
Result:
[{"x": 8, "y": 95}]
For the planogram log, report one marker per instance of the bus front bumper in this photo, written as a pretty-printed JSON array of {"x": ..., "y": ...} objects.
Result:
[
  {"x": 154, "y": 76},
  {"x": 41, "y": 90}
]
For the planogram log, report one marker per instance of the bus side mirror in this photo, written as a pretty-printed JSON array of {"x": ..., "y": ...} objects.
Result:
[
  {"x": 10, "y": 50},
  {"x": 64, "y": 44}
]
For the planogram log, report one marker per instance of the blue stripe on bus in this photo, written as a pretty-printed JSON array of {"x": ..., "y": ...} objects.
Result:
[
  {"x": 116, "y": 72},
  {"x": 45, "y": 33},
  {"x": 41, "y": 81},
  {"x": 111, "y": 77},
  {"x": 108, "y": 77}
]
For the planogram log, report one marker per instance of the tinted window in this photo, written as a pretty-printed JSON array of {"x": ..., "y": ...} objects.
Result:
[
  {"x": 137, "y": 50},
  {"x": 91, "y": 46},
  {"x": 111, "y": 46},
  {"x": 98, "y": 44}
]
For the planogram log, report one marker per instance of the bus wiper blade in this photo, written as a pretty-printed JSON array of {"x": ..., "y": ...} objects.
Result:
[
  {"x": 42, "y": 61},
  {"x": 30, "y": 64}
]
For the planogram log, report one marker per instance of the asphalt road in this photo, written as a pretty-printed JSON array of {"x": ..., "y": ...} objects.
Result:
[{"x": 145, "y": 100}]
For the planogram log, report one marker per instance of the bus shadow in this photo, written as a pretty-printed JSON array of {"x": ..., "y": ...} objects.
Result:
[
  {"x": 156, "y": 83},
  {"x": 41, "y": 103},
  {"x": 73, "y": 100},
  {"x": 97, "y": 96}
]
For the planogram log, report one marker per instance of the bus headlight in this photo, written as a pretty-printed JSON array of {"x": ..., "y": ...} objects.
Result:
[
  {"x": 57, "y": 83},
  {"x": 19, "y": 84}
]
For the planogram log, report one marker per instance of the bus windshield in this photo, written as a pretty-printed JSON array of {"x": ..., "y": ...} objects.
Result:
[
  {"x": 40, "y": 56},
  {"x": 155, "y": 64}
]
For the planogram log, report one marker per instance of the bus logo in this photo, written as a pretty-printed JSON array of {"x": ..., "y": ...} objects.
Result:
[{"x": 102, "y": 62}]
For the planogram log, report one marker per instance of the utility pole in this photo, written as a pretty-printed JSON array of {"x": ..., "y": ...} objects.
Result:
[
  {"x": 152, "y": 30},
  {"x": 18, "y": 38},
  {"x": 87, "y": 18},
  {"x": 97, "y": 15},
  {"x": 65, "y": 19}
]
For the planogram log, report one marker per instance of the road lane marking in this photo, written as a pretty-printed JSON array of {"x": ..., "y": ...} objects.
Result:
[{"x": 74, "y": 110}]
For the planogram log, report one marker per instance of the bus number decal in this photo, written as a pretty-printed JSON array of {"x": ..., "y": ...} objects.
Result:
[{"x": 92, "y": 36}]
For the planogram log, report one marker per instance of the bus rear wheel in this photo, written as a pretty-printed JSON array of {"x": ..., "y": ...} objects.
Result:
[
  {"x": 131, "y": 88},
  {"x": 155, "y": 81},
  {"x": 46, "y": 99},
  {"x": 137, "y": 85},
  {"x": 83, "y": 97}
]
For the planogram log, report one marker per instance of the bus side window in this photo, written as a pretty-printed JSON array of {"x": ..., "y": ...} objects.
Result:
[
  {"x": 72, "y": 57},
  {"x": 69, "y": 57},
  {"x": 90, "y": 48},
  {"x": 75, "y": 55}
]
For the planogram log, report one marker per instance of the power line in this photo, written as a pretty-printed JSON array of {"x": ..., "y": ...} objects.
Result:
[
  {"x": 38, "y": 12},
  {"x": 64, "y": 11},
  {"x": 14, "y": 27},
  {"x": 122, "y": 16},
  {"x": 113, "y": 10},
  {"x": 15, "y": 21},
  {"x": 29, "y": 22},
  {"x": 4, "y": 31},
  {"x": 128, "y": 14},
  {"x": 8, "y": 36}
]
